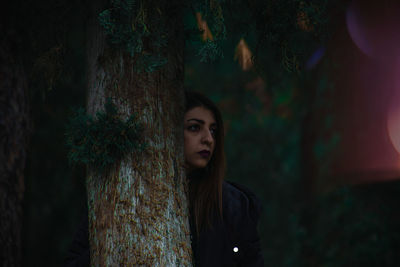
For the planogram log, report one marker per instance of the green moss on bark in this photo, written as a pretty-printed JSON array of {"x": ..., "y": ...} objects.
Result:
[{"x": 102, "y": 141}]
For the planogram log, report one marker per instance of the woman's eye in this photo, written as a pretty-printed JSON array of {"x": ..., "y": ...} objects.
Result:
[
  {"x": 213, "y": 131},
  {"x": 193, "y": 128}
]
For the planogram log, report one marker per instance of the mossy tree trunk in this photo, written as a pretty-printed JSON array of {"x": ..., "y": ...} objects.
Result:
[
  {"x": 138, "y": 210},
  {"x": 13, "y": 140}
]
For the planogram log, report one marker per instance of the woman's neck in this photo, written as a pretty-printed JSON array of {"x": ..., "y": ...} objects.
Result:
[{"x": 196, "y": 173}]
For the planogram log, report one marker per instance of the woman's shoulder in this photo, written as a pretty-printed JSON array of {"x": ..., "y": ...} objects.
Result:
[
  {"x": 240, "y": 202},
  {"x": 241, "y": 209}
]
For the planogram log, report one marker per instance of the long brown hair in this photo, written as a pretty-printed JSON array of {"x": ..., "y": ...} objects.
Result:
[{"x": 205, "y": 185}]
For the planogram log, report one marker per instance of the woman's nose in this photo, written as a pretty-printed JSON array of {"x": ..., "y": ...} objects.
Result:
[{"x": 207, "y": 137}]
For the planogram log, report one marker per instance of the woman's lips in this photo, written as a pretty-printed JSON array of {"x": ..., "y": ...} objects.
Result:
[{"x": 204, "y": 153}]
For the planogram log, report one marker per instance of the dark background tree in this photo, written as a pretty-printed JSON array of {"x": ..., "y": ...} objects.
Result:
[
  {"x": 14, "y": 133},
  {"x": 281, "y": 116}
]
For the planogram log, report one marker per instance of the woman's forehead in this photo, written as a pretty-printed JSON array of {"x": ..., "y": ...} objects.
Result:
[{"x": 200, "y": 113}]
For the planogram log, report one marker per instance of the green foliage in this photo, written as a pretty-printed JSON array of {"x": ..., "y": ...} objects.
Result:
[
  {"x": 295, "y": 28},
  {"x": 212, "y": 12},
  {"x": 355, "y": 226},
  {"x": 103, "y": 141},
  {"x": 126, "y": 24},
  {"x": 210, "y": 51},
  {"x": 119, "y": 28},
  {"x": 325, "y": 146},
  {"x": 149, "y": 63}
]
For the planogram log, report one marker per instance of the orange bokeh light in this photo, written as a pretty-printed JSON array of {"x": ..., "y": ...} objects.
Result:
[
  {"x": 244, "y": 55},
  {"x": 203, "y": 26}
]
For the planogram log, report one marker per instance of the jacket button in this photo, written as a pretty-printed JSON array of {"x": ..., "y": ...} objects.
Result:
[{"x": 235, "y": 249}]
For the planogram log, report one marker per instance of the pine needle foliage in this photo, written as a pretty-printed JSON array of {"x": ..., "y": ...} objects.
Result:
[
  {"x": 102, "y": 141},
  {"x": 212, "y": 12},
  {"x": 127, "y": 26},
  {"x": 210, "y": 52},
  {"x": 296, "y": 28}
]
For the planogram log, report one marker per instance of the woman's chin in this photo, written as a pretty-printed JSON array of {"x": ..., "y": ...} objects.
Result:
[
  {"x": 200, "y": 165},
  {"x": 195, "y": 166}
]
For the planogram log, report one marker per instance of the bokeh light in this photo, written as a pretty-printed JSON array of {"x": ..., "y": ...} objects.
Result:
[
  {"x": 244, "y": 55},
  {"x": 357, "y": 29},
  {"x": 393, "y": 117},
  {"x": 393, "y": 124},
  {"x": 203, "y": 27},
  {"x": 373, "y": 27},
  {"x": 315, "y": 58}
]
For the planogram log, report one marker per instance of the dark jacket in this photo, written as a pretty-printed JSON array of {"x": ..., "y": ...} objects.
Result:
[{"x": 231, "y": 242}]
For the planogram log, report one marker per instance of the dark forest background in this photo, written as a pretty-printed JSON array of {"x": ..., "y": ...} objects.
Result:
[{"x": 281, "y": 84}]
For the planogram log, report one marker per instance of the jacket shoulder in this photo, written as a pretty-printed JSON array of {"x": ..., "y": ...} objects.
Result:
[
  {"x": 241, "y": 209},
  {"x": 240, "y": 202}
]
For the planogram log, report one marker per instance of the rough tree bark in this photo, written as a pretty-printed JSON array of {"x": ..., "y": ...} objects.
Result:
[
  {"x": 138, "y": 212},
  {"x": 13, "y": 142}
]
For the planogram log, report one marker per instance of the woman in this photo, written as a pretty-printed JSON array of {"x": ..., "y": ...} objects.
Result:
[{"x": 224, "y": 215}]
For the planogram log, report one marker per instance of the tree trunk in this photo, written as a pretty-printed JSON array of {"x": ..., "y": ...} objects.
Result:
[
  {"x": 138, "y": 212},
  {"x": 13, "y": 143}
]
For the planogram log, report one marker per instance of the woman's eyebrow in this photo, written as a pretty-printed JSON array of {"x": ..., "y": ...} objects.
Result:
[
  {"x": 202, "y": 122},
  {"x": 199, "y": 121}
]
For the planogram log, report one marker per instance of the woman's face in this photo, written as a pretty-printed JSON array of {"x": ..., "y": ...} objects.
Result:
[{"x": 199, "y": 136}]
